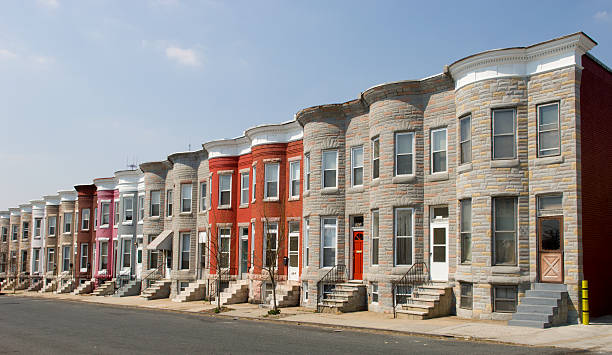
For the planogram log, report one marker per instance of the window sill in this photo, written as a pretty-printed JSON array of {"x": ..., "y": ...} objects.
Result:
[
  {"x": 441, "y": 176},
  {"x": 294, "y": 198},
  {"x": 226, "y": 207},
  {"x": 506, "y": 163},
  {"x": 329, "y": 191},
  {"x": 140, "y": 222},
  {"x": 154, "y": 218},
  {"x": 375, "y": 182},
  {"x": 502, "y": 269},
  {"x": 404, "y": 179},
  {"x": 270, "y": 199},
  {"x": 244, "y": 206},
  {"x": 66, "y": 233},
  {"x": 188, "y": 214},
  {"x": 464, "y": 168},
  {"x": 127, "y": 223},
  {"x": 549, "y": 160},
  {"x": 355, "y": 189}
]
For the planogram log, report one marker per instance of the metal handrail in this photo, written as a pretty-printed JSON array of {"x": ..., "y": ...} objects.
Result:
[
  {"x": 417, "y": 275},
  {"x": 154, "y": 275},
  {"x": 337, "y": 274}
]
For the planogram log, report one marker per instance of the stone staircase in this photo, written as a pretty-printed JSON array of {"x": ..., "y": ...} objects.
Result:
[
  {"x": 132, "y": 288},
  {"x": 23, "y": 284},
  {"x": 8, "y": 284},
  {"x": 427, "y": 301},
  {"x": 35, "y": 285},
  {"x": 85, "y": 288},
  {"x": 49, "y": 287},
  {"x": 287, "y": 295},
  {"x": 194, "y": 292},
  {"x": 346, "y": 297},
  {"x": 543, "y": 306},
  {"x": 160, "y": 289},
  {"x": 105, "y": 289},
  {"x": 236, "y": 292},
  {"x": 67, "y": 287}
]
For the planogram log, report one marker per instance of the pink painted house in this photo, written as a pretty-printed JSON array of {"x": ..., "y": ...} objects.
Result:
[{"x": 105, "y": 224}]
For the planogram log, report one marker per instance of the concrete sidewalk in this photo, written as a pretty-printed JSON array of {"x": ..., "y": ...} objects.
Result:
[{"x": 595, "y": 337}]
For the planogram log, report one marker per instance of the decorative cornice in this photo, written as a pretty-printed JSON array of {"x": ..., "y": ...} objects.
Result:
[
  {"x": 128, "y": 180},
  {"x": 26, "y": 208},
  {"x": 106, "y": 184},
  {"x": 52, "y": 200}
]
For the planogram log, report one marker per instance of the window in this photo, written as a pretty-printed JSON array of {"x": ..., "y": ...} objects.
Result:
[
  {"x": 155, "y": 202},
  {"x": 185, "y": 247},
  {"x": 186, "y": 194},
  {"x": 37, "y": 227},
  {"x": 306, "y": 247},
  {"x": 404, "y": 153},
  {"x": 466, "y": 231},
  {"x": 203, "y": 239},
  {"x": 24, "y": 260},
  {"x": 116, "y": 210},
  {"x": 294, "y": 179},
  {"x": 438, "y": 150},
  {"x": 244, "y": 188},
  {"x": 504, "y": 298},
  {"x": 105, "y": 214},
  {"x": 153, "y": 255},
  {"x": 504, "y": 223},
  {"x": 128, "y": 209},
  {"x": 550, "y": 205},
  {"x": 270, "y": 243},
  {"x": 52, "y": 224},
  {"x": 294, "y": 240},
  {"x": 307, "y": 172},
  {"x": 374, "y": 292},
  {"x": 103, "y": 255},
  {"x": 127, "y": 252},
  {"x": 254, "y": 183},
  {"x": 403, "y": 236},
  {"x": 224, "y": 244},
  {"x": 375, "y": 158},
  {"x": 305, "y": 288},
  {"x": 203, "y": 194},
  {"x": 4, "y": 234},
  {"x": 271, "y": 181},
  {"x": 375, "y": 237},
  {"x": 225, "y": 189},
  {"x": 84, "y": 256},
  {"x": 465, "y": 139},
  {"x": 169, "y": 206},
  {"x": 25, "y": 230},
  {"x": 85, "y": 219},
  {"x": 141, "y": 208},
  {"x": 503, "y": 134},
  {"x": 67, "y": 222},
  {"x": 466, "y": 295},
  {"x": 66, "y": 258},
  {"x": 14, "y": 232},
  {"x": 357, "y": 166},
  {"x": 96, "y": 217},
  {"x": 50, "y": 259},
  {"x": 330, "y": 167},
  {"x": 549, "y": 142},
  {"x": 35, "y": 260},
  {"x": 329, "y": 233}
]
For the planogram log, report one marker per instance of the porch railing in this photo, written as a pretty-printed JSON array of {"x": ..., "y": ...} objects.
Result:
[
  {"x": 336, "y": 275},
  {"x": 153, "y": 275},
  {"x": 417, "y": 275},
  {"x": 223, "y": 277}
]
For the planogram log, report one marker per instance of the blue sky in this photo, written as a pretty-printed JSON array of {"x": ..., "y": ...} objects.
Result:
[{"x": 86, "y": 85}]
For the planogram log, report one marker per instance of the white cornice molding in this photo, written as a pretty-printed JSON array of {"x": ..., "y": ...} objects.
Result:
[
  {"x": 105, "y": 184},
  {"x": 4, "y": 214},
  {"x": 67, "y": 195},
  {"x": 51, "y": 200},
  {"x": 128, "y": 180},
  {"x": 26, "y": 208},
  {"x": 524, "y": 61},
  {"x": 15, "y": 211}
]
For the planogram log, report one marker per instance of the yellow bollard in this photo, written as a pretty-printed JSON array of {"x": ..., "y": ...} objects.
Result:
[{"x": 585, "y": 302}]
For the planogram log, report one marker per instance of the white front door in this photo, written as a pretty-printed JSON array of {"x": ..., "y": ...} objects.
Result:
[
  {"x": 294, "y": 251},
  {"x": 139, "y": 261},
  {"x": 439, "y": 251},
  {"x": 168, "y": 263}
]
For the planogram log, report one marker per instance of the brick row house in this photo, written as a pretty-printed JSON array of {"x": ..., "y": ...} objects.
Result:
[{"x": 481, "y": 191}]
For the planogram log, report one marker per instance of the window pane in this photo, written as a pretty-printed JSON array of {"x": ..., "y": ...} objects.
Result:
[
  {"x": 225, "y": 198},
  {"x": 329, "y": 237},
  {"x": 329, "y": 178},
  {"x": 404, "y": 251},
  {"x": 439, "y": 253},
  {"x": 465, "y": 124},
  {"x": 404, "y": 164},
  {"x": 466, "y": 215},
  {"x": 503, "y": 147},
  {"x": 466, "y": 247},
  {"x": 358, "y": 176},
  {"x": 358, "y": 157},
  {"x": 439, "y": 162},
  {"x": 375, "y": 168},
  {"x": 439, "y": 140},
  {"x": 549, "y": 140},
  {"x": 376, "y": 149},
  {"x": 466, "y": 152},
  {"x": 404, "y": 222},
  {"x": 504, "y": 214},
  {"x": 553, "y": 202},
  {"x": 271, "y": 189},
  {"x": 271, "y": 172},
  {"x": 404, "y": 143},
  {"x": 505, "y": 248},
  {"x": 329, "y": 160},
  {"x": 375, "y": 251},
  {"x": 225, "y": 181},
  {"x": 329, "y": 257},
  {"x": 503, "y": 122},
  {"x": 551, "y": 234},
  {"x": 439, "y": 236},
  {"x": 549, "y": 115}
]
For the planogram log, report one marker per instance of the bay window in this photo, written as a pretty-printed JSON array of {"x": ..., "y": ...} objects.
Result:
[
  {"x": 504, "y": 131},
  {"x": 404, "y": 153},
  {"x": 225, "y": 190},
  {"x": 330, "y": 168},
  {"x": 186, "y": 197},
  {"x": 271, "y": 180},
  {"x": 404, "y": 236}
]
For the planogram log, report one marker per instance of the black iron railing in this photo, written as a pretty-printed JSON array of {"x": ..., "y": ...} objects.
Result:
[
  {"x": 335, "y": 275},
  {"x": 153, "y": 275},
  {"x": 417, "y": 275}
]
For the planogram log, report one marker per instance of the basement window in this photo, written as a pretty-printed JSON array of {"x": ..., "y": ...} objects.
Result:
[
  {"x": 374, "y": 292},
  {"x": 466, "y": 295},
  {"x": 402, "y": 293},
  {"x": 504, "y": 299}
]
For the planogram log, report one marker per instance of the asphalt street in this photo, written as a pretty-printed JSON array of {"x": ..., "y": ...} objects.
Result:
[{"x": 42, "y": 326}]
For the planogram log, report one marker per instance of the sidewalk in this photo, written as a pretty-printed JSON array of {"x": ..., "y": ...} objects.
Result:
[{"x": 594, "y": 337}]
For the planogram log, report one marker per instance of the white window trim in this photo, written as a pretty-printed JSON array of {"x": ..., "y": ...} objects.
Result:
[
  {"x": 169, "y": 201},
  {"x": 230, "y": 190},
  {"x": 395, "y": 236},
  {"x": 495, "y": 231},
  {"x": 254, "y": 183},
  {"x": 306, "y": 172},
  {"x": 54, "y": 225},
  {"x": 353, "y": 167},
  {"x": 431, "y": 150},
  {"x": 229, "y": 249},
  {"x": 151, "y": 204},
  {"x": 265, "y": 242},
  {"x": 514, "y": 133},
  {"x": 466, "y": 117},
  {"x": 373, "y": 140},
  {"x": 65, "y": 224},
  {"x": 322, "y": 254},
  {"x": 37, "y": 236},
  {"x": 104, "y": 225},
  {"x": 183, "y": 234},
  {"x": 203, "y": 199},
  {"x": 323, "y": 169},
  {"x": 243, "y": 188},
  {"x": 190, "y": 199},
  {"x": 558, "y": 128},
  {"x": 294, "y": 195},
  {"x": 125, "y": 209},
  {"x": 86, "y": 257},
  {"x": 266, "y": 197},
  {"x": 376, "y": 211},
  {"x": 412, "y": 143},
  {"x": 116, "y": 213},
  {"x": 141, "y": 207}
]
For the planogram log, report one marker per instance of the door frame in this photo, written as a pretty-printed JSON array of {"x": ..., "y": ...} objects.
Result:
[
  {"x": 241, "y": 238},
  {"x": 353, "y": 230},
  {"x": 289, "y": 268},
  {"x": 442, "y": 223},
  {"x": 540, "y": 252}
]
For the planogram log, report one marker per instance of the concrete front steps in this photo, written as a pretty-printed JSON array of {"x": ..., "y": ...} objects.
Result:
[
  {"x": 9, "y": 284},
  {"x": 160, "y": 289},
  {"x": 132, "y": 288},
  {"x": 287, "y": 295},
  {"x": 349, "y": 296},
  {"x": 427, "y": 301},
  {"x": 49, "y": 287},
  {"x": 105, "y": 289},
  {"x": 85, "y": 288},
  {"x": 23, "y": 285},
  {"x": 35, "y": 285},
  {"x": 237, "y": 292},
  {"x": 194, "y": 292},
  {"x": 543, "y": 306},
  {"x": 68, "y": 286}
]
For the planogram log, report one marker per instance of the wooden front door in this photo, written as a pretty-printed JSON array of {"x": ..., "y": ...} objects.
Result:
[
  {"x": 550, "y": 249},
  {"x": 357, "y": 255}
]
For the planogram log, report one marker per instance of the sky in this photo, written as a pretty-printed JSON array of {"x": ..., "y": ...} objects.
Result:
[{"x": 87, "y": 86}]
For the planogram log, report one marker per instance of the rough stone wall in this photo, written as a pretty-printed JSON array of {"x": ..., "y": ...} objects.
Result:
[
  {"x": 65, "y": 239},
  {"x": 24, "y": 244},
  {"x": 51, "y": 240},
  {"x": 155, "y": 180}
]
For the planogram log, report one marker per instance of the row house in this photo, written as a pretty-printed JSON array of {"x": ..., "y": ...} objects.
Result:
[
  {"x": 107, "y": 217},
  {"x": 36, "y": 244},
  {"x": 86, "y": 232},
  {"x": 50, "y": 240},
  {"x": 4, "y": 245}
]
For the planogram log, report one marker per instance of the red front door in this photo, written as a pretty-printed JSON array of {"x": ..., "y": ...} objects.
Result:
[{"x": 357, "y": 255}]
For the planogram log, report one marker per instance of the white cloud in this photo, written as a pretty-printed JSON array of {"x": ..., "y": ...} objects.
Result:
[
  {"x": 187, "y": 57},
  {"x": 6, "y": 54},
  {"x": 50, "y": 4},
  {"x": 42, "y": 60},
  {"x": 602, "y": 16}
]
